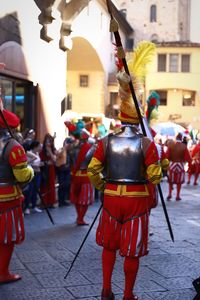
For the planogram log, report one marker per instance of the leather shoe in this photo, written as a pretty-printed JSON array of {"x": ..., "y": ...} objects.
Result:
[
  {"x": 107, "y": 295},
  {"x": 134, "y": 297},
  {"x": 82, "y": 223},
  {"x": 178, "y": 198},
  {"x": 197, "y": 297},
  {"x": 6, "y": 278}
]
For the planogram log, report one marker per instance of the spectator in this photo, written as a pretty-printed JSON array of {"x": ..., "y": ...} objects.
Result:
[
  {"x": 29, "y": 137},
  {"x": 48, "y": 157},
  {"x": 31, "y": 191},
  {"x": 63, "y": 172}
]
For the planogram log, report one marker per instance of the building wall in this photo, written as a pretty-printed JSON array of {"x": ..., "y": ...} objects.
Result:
[
  {"x": 176, "y": 19},
  {"x": 93, "y": 24},
  {"x": 175, "y": 83},
  {"x": 138, "y": 15},
  {"x": 87, "y": 100},
  {"x": 184, "y": 20},
  {"x": 92, "y": 54},
  {"x": 195, "y": 21},
  {"x": 45, "y": 63}
]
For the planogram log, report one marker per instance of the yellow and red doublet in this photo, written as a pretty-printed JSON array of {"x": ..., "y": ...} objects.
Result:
[
  {"x": 124, "y": 221},
  {"x": 13, "y": 171},
  {"x": 11, "y": 197}
]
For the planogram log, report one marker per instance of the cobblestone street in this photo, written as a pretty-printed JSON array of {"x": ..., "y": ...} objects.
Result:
[{"x": 166, "y": 273}]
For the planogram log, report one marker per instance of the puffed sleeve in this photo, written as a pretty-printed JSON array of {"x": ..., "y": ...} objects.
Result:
[
  {"x": 18, "y": 161},
  {"x": 96, "y": 167},
  {"x": 153, "y": 167}
]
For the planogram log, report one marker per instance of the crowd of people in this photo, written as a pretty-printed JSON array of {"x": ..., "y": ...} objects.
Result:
[{"x": 54, "y": 168}]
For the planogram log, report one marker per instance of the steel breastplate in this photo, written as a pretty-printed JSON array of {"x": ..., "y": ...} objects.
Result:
[
  {"x": 84, "y": 164},
  {"x": 124, "y": 158},
  {"x": 6, "y": 174}
]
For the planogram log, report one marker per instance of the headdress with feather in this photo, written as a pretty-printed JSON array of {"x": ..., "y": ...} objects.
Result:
[
  {"x": 141, "y": 56},
  {"x": 153, "y": 102}
]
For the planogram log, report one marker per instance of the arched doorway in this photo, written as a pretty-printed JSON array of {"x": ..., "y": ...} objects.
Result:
[{"x": 85, "y": 79}]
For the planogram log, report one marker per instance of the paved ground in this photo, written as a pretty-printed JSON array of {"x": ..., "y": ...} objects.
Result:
[{"x": 166, "y": 273}]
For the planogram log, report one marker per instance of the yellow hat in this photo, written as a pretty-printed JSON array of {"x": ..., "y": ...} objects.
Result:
[{"x": 128, "y": 112}]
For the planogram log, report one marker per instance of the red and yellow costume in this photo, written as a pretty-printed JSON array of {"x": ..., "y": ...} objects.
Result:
[
  {"x": 81, "y": 192},
  {"x": 126, "y": 207},
  {"x": 194, "y": 166},
  {"x": 14, "y": 170},
  {"x": 178, "y": 155},
  {"x": 124, "y": 220}
]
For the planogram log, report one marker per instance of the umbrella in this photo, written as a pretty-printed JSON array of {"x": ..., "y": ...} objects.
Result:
[{"x": 168, "y": 129}]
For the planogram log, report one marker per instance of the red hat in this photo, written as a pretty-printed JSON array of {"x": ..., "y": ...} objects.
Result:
[
  {"x": 12, "y": 120},
  {"x": 71, "y": 127}
]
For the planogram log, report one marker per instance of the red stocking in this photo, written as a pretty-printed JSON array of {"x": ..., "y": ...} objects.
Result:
[
  {"x": 108, "y": 262},
  {"x": 5, "y": 255},
  {"x": 189, "y": 178},
  {"x": 178, "y": 191},
  {"x": 78, "y": 208},
  {"x": 170, "y": 189},
  {"x": 131, "y": 266},
  {"x": 83, "y": 211},
  {"x": 196, "y": 178}
]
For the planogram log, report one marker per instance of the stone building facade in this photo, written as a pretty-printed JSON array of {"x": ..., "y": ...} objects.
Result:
[{"x": 174, "y": 73}]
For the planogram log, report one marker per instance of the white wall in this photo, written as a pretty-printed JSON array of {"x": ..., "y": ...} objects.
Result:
[
  {"x": 93, "y": 24},
  {"x": 195, "y": 21}
]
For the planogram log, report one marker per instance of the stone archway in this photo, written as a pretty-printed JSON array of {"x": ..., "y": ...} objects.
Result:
[{"x": 83, "y": 63}]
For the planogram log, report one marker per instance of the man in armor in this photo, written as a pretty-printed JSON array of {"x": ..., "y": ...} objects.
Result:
[
  {"x": 121, "y": 167},
  {"x": 13, "y": 172},
  {"x": 178, "y": 154}
]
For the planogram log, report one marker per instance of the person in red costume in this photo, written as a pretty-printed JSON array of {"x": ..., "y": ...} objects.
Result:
[
  {"x": 13, "y": 172},
  {"x": 194, "y": 166},
  {"x": 178, "y": 154},
  {"x": 121, "y": 167},
  {"x": 82, "y": 192}
]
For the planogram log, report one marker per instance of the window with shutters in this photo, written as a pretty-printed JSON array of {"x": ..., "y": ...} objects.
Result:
[
  {"x": 162, "y": 62},
  {"x": 153, "y": 13},
  {"x": 185, "y": 63},
  {"x": 173, "y": 62}
]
